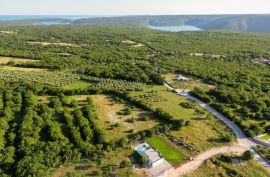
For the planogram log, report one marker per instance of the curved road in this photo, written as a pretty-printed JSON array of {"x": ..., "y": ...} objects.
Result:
[
  {"x": 243, "y": 143},
  {"x": 199, "y": 159}
]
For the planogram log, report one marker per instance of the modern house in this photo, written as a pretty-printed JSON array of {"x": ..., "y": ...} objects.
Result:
[
  {"x": 152, "y": 155},
  {"x": 181, "y": 78}
]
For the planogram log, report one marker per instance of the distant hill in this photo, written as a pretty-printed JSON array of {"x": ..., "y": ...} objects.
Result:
[
  {"x": 249, "y": 23},
  {"x": 242, "y": 23}
]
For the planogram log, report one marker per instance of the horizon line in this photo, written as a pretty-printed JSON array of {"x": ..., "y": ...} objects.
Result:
[{"x": 133, "y": 14}]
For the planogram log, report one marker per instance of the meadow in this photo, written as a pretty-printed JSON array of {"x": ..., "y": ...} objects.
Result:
[
  {"x": 203, "y": 132},
  {"x": 167, "y": 150}
]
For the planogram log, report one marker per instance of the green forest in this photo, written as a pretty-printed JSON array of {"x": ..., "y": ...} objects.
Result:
[{"x": 36, "y": 138}]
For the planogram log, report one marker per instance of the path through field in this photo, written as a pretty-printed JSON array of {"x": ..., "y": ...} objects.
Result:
[{"x": 243, "y": 143}]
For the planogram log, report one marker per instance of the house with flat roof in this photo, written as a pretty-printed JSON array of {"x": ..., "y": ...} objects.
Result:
[
  {"x": 181, "y": 78},
  {"x": 153, "y": 156}
]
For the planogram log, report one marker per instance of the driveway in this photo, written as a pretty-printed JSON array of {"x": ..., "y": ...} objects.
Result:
[{"x": 161, "y": 169}]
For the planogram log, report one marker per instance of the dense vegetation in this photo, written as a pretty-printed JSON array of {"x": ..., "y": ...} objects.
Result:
[{"x": 38, "y": 137}]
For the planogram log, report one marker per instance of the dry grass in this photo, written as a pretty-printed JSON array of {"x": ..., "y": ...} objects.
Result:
[
  {"x": 129, "y": 42},
  {"x": 10, "y": 68},
  {"x": 138, "y": 45},
  {"x": 226, "y": 169},
  {"x": 44, "y": 99},
  {"x": 8, "y": 32},
  {"x": 5, "y": 60},
  {"x": 63, "y": 44},
  {"x": 113, "y": 158},
  {"x": 133, "y": 43},
  {"x": 107, "y": 112}
]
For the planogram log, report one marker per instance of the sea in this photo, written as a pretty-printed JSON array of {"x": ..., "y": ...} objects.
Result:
[
  {"x": 175, "y": 28},
  {"x": 76, "y": 17}
]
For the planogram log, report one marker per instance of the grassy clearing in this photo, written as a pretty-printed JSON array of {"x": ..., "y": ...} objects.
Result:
[
  {"x": 265, "y": 137},
  {"x": 62, "y": 44},
  {"x": 5, "y": 60},
  {"x": 204, "y": 131},
  {"x": 114, "y": 158},
  {"x": 44, "y": 99},
  {"x": 169, "y": 152},
  {"x": 215, "y": 167},
  {"x": 11, "y": 68},
  {"x": 117, "y": 125},
  {"x": 189, "y": 84},
  {"x": 78, "y": 85},
  {"x": 160, "y": 97},
  {"x": 114, "y": 124}
]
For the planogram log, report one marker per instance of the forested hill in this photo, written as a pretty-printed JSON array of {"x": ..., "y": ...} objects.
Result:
[
  {"x": 248, "y": 23},
  {"x": 241, "y": 23}
]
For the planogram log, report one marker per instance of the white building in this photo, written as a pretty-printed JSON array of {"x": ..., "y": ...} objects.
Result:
[
  {"x": 181, "y": 78},
  {"x": 153, "y": 157}
]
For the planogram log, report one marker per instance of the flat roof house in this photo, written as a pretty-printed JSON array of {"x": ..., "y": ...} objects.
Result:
[{"x": 153, "y": 157}]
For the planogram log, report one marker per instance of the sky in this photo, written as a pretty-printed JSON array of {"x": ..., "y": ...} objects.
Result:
[{"x": 132, "y": 7}]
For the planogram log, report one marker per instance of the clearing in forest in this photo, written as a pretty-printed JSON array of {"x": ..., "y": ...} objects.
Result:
[
  {"x": 119, "y": 119},
  {"x": 11, "y": 68},
  {"x": 6, "y": 60},
  {"x": 188, "y": 84},
  {"x": 62, "y": 44},
  {"x": 8, "y": 32},
  {"x": 133, "y": 43},
  {"x": 203, "y": 132},
  {"x": 113, "y": 158}
]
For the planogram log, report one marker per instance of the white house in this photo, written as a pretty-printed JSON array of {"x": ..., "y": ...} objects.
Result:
[
  {"x": 181, "y": 78},
  {"x": 153, "y": 157}
]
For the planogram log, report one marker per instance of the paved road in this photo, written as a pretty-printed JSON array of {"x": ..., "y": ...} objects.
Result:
[{"x": 242, "y": 140}]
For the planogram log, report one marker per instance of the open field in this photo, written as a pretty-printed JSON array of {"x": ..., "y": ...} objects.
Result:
[
  {"x": 189, "y": 84},
  {"x": 117, "y": 125},
  {"x": 159, "y": 97},
  {"x": 114, "y": 158},
  {"x": 112, "y": 121},
  {"x": 11, "y": 68},
  {"x": 5, "y": 60},
  {"x": 133, "y": 43},
  {"x": 218, "y": 167},
  {"x": 169, "y": 152},
  {"x": 62, "y": 44},
  {"x": 8, "y": 32},
  {"x": 203, "y": 132}
]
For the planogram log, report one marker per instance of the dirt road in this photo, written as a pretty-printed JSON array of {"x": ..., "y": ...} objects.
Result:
[{"x": 199, "y": 159}]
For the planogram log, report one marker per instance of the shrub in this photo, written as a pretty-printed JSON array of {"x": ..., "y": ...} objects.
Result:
[
  {"x": 125, "y": 163},
  {"x": 248, "y": 155}
]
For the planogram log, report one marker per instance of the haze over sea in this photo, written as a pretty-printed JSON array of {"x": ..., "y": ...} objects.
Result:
[
  {"x": 76, "y": 17},
  {"x": 29, "y": 17}
]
